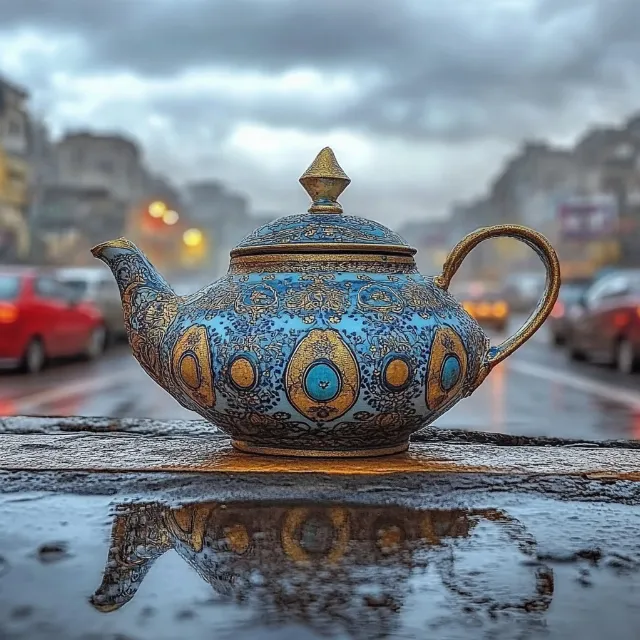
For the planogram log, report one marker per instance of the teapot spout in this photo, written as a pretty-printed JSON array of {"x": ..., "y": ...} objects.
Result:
[
  {"x": 133, "y": 550},
  {"x": 149, "y": 304},
  {"x": 129, "y": 265}
]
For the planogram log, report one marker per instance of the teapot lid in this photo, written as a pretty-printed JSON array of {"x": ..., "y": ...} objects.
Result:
[{"x": 324, "y": 228}]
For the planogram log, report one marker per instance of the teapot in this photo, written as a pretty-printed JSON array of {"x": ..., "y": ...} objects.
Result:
[{"x": 323, "y": 339}]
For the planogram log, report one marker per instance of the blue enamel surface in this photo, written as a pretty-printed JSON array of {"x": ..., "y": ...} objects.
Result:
[
  {"x": 378, "y": 316},
  {"x": 451, "y": 372},
  {"x": 309, "y": 228},
  {"x": 322, "y": 382}
]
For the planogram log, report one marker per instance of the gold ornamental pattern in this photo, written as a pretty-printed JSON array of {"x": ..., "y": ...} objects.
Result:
[
  {"x": 154, "y": 312},
  {"x": 312, "y": 293},
  {"x": 318, "y": 295}
]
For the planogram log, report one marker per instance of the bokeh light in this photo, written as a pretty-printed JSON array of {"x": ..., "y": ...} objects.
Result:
[
  {"x": 192, "y": 237},
  {"x": 157, "y": 209},
  {"x": 170, "y": 217}
]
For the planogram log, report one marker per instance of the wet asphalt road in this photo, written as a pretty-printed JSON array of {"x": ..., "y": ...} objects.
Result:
[{"x": 535, "y": 392}]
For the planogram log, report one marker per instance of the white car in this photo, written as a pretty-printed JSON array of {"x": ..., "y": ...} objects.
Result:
[
  {"x": 524, "y": 290},
  {"x": 97, "y": 285}
]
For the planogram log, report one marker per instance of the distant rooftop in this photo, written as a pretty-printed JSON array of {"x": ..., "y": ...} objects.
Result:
[
  {"x": 14, "y": 87},
  {"x": 92, "y": 135}
]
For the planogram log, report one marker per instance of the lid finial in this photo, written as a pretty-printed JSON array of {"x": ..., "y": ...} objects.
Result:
[{"x": 324, "y": 181}]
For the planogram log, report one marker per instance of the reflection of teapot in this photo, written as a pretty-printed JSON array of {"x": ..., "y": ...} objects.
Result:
[
  {"x": 350, "y": 564},
  {"x": 323, "y": 338}
]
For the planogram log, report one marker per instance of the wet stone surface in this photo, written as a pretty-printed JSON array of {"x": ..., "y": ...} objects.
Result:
[
  {"x": 249, "y": 551},
  {"x": 374, "y": 564}
]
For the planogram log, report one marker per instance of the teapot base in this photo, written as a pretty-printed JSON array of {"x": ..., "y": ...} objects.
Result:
[{"x": 246, "y": 447}]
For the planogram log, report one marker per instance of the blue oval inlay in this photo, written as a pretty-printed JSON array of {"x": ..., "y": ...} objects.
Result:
[
  {"x": 450, "y": 372},
  {"x": 322, "y": 382}
]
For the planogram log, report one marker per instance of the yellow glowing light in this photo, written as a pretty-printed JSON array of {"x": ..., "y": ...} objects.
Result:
[
  {"x": 157, "y": 209},
  {"x": 192, "y": 237},
  {"x": 483, "y": 310},
  {"x": 500, "y": 309},
  {"x": 170, "y": 217}
]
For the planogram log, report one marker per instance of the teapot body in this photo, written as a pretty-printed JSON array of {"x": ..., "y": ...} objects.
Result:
[{"x": 342, "y": 363}]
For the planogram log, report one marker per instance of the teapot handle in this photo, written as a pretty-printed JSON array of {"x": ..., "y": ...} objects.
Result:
[{"x": 549, "y": 258}]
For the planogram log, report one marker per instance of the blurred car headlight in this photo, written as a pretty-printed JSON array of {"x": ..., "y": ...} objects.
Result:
[
  {"x": 484, "y": 309},
  {"x": 8, "y": 313},
  {"x": 500, "y": 309}
]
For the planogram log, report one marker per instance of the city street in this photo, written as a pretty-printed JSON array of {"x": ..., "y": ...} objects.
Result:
[{"x": 535, "y": 392}]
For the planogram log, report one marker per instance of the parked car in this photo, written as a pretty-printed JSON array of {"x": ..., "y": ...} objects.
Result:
[
  {"x": 41, "y": 318},
  {"x": 523, "y": 290},
  {"x": 96, "y": 285},
  {"x": 485, "y": 303},
  {"x": 606, "y": 325},
  {"x": 566, "y": 307}
]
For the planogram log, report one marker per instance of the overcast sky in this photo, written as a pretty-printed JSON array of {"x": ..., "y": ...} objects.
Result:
[{"x": 421, "y": 100}]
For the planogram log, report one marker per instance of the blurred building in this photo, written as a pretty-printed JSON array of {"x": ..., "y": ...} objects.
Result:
[
  {"x": 42, "y": 155},
  {"x": 158, "y": 187},
  {"x": 157, "y": 222},
  {"x": 431, "y": 237},
  {"x": 222, "y": 215},
  {"x": 541, "y": 183},
  {"x": 519, "y": 193},
  {"x": 484, "y": 260},
  {"x": 612, "y": 157},
  {"x": 87, "y": 184},
  {"x": 14, "y": 172},
  {"x": 73, "y": 219},
  {"x": 42, "y": 173},
  {"x": 111, "y": 162}
]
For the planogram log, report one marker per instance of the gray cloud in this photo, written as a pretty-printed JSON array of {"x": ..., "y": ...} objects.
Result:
[
  {"x": 431, "y": 57},
  {"x": 458, "y": 72}
]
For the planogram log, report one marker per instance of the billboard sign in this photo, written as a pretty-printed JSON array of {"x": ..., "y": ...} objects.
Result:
[{"x": 588, "y": 218}]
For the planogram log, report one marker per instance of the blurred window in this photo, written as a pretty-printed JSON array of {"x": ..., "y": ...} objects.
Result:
[
  {"x": 571, "y": 293},
  {"x": 105, "y": 166},
  {"x": 9, "y": 287},
  {"x": 107, "y": 288},
  {"x": 611, "y": 287},
  {"x": 77, "y": 158},
  {"x": 597, "y": 291},
  {"x": 50, "y": 288},
  {"x": 78, "y": 287},
  {"x": 618, "y": 286},
  {"x": 634, "y": 284}
]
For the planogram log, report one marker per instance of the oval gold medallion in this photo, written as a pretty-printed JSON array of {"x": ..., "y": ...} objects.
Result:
[
  {"x": 238, "y": 538},
  {"x": 191, "y": 365},
  {"x": 322, "y": 378},
  {"x": 447, "y": 367},
  {"x": 243, "y": 373},
  {"x": 396, "y": 374},
  {"x": 291, "y": 534},
  {"x": 190, "y": 371}
]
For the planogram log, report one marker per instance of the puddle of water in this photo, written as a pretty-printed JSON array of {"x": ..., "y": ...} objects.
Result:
[{"x": 83, "y": 567}]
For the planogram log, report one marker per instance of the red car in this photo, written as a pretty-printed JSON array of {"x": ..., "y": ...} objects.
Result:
[
  {"x": 605, "y": 324},
  {"x": 40, "y": 319}
]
